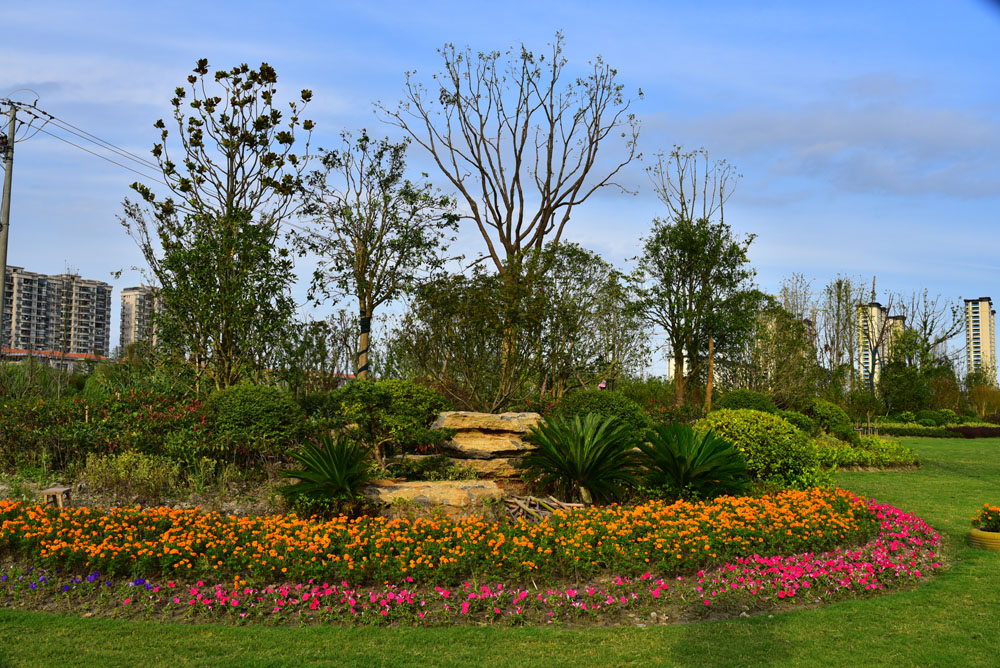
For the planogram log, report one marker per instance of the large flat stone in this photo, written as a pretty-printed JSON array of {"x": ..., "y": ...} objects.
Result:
[
  {"x": 476, "y": 444},
  {"x": 452, "y": 497},
  {"x": 517, "y": 423}
]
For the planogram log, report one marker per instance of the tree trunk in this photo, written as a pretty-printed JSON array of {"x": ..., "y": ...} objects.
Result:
[
  {"x": 679, "y": 380},
  {"x": 364, "y": 339},
  {"x": 711, "y": 374}
]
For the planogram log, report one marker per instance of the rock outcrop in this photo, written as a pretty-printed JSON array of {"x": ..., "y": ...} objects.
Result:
[
  {"x": 496, "y": 438},
  {"x": 453, "y": 498}
]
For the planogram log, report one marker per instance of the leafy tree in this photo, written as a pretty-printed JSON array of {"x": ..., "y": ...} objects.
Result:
[
  {"x": 862, "y": 406},
  {"x": 317, "y": 355},
  {"x": 211, "y": 244},
  {"x": 779, "y": 358},
  {"x": 451, "y": 338},
  {"x": 691, "y": 272},
  {"x": 590, "y": 329},
  {"x": 904, "y": 388},
  {"x": 375, "y": 231}
]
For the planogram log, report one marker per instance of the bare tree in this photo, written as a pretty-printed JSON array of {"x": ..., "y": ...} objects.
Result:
[
  {"x": 934, "y": 323},
  {"x": 838, "y": 330},
  {"x": 518, "y": 143},
  {"x": 796, "y": 296},
  {"x": 687, "y": 180}
]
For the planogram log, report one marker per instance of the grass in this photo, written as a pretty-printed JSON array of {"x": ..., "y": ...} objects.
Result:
[{"x": 951, "y": 620}]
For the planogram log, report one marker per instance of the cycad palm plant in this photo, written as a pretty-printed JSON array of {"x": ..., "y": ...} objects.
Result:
[
  {"x": 332, "y": 469},
  {"x": 589, "y": 458},
  {"x": 692, "y": 463}
]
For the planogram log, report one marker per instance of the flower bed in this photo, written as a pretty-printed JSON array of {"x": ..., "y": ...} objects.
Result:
[
  {"x": 667, "y": 538},
  {"x": 903, "y": 551}
]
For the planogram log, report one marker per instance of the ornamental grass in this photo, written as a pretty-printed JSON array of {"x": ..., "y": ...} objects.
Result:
[{"x": 655, "y": 536}]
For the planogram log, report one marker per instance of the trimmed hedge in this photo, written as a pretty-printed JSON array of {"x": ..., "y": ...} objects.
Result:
[
  {"x": 606, "y": 403},
  {"x": 974, "y": 432},
  {"x": 396, "y": 413},
  {"x": 912, "y": 429},
  {"x": 873, "y": 451},
  {"x": 738, "y": 399},
  {"x": 774, "y": 448},
  {"x": 255, "y": 416}
]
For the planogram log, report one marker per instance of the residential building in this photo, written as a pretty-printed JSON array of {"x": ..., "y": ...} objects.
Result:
[
  {"x": 980, "y": 336},
  {"x": 876, "y": 332},
  {"x": 52, "y": 358},
  {"x": 63, "y": 313},
  {"x": 138, "y": 305}
]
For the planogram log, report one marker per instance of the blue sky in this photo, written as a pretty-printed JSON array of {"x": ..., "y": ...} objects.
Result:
[{"x": 868, "y": 134}]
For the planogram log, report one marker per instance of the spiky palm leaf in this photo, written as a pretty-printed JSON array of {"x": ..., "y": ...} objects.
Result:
[
  {"x": 589, "y": 458},
  {"x": 693, "y": 463},
  {"x": 333, "y": 468}
]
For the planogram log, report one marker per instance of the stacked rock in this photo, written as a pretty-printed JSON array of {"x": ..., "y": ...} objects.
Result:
[{"x": 491, "y": 443}]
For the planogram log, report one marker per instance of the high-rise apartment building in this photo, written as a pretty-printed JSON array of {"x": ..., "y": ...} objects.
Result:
[
  {"x": 876, "y": 332},
  {"x": 138, "y": 306},
  {"x": 60, "y": 313},
  {"x": 980, "y": 336}
]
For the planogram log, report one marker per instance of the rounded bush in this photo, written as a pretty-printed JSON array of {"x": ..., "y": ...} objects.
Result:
[
  {"x": 737, "y": 399},
  {"x": 606, "y": 403},
  {"x": 800, "y": 420},
  {"x": 774, "y": 448},
  {"x": 949, "y": 416},
  {"x": 254, "y": 415},
  {"x": 829, "y": 416},
  {"x": 934, "y": 417}
]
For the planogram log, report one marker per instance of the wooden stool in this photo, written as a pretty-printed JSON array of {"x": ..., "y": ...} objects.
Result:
[{"x": 57, "y": 496}]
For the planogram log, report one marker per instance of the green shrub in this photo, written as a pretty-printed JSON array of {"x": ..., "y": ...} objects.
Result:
[
  {"x": 650, "y": 393},
  {"x": 774, "y": 449},
  {"x": 62, "y": 432},
  {"x": 912, "y": 429},
  {"x": 588, "y": 458},
  {"x": 800, "y": 420},
  {"x": 388, "y": 415},
  {"x": 873, "y": 451},
  {"x": 829, "y": 416},
  {"x": 250, "y": 421},
  {"x": 30, "y": 378},
  {"x": 332, "y": 469},
  {"x": 608, "y": 404},
  {"x": 693, "y": 465},
  {"x": 949, "y": 416},
  {"x": 739, "y": 399},
  {"x": 832, "y": 419},
  {"x": 929, "y": 418},
  {"x": 131, "y": 474}
]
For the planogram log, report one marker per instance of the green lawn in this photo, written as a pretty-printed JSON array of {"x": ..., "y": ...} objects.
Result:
[{"x": 954, "y": 619}]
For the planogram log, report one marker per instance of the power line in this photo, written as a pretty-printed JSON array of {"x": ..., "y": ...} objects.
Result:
[
  {"x": 102, "y": 157},
  {"x": 83, "y": 134},
  {"x": 87, "y": 136}
]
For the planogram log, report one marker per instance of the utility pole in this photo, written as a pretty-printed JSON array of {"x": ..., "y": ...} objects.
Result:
[{"x": 8, "y": 159}]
